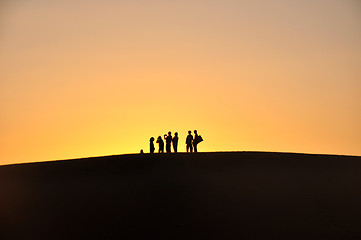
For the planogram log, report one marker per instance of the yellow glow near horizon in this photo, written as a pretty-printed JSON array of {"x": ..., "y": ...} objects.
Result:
[{"x": 90, "y": 78}]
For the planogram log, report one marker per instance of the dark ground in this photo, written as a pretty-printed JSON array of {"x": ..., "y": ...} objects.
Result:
[{"x": 240, "y": 195}]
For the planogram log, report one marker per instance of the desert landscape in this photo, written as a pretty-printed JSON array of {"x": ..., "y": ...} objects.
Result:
[
  {"x": 221, "y": 195},
  {"x": 97, "y": 98}
]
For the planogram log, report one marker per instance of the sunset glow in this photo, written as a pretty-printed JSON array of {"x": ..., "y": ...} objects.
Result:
[{"x": 91, "y": 78}]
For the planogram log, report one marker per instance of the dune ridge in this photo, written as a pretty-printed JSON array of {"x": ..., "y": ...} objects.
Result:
[{"x": 224, "y": 195}]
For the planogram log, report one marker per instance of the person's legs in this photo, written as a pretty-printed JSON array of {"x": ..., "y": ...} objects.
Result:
[
  {"x": 195, "y": 148},
  {"x": 169, "y": 148},
  {"x": 189, "y": 148}
]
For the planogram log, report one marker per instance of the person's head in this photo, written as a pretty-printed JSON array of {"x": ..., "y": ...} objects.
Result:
[
  {"x": 175, "y": 134},
  {"x": 169, "y": 133},
  {"x": 160, "y": 137},
  {"x": 195, "y": 131},
  {"x": 189, "y": 132},
  {"x": 151, "y": 139}
]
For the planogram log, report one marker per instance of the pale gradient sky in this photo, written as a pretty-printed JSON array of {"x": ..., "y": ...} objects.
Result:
[{"x": 87, "y": 78}]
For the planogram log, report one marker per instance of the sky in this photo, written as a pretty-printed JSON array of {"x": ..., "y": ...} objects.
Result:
[{"x": 86, "y": 78}]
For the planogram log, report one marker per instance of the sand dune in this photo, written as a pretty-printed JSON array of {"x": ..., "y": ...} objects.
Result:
[{"x": 240, "y": 195}]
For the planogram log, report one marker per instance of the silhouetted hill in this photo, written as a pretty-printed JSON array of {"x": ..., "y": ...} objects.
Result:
[{"x": 238, "y": 195}]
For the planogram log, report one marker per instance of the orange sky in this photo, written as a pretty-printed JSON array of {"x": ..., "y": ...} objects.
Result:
[{"x": 87, "y": 78}]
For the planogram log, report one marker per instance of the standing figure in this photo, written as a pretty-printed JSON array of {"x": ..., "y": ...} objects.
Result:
[
  {"x": 151, "y": 145},
  {"x": 175, "y": 142},
  {"x": 195, "y": 141},
  {"x": 168, "y": 142},
  {"x": 189, "y": 141},
  {"x": 161, "y": 144}
]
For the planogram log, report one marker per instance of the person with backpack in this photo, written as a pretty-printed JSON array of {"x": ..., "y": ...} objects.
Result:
[
  {"x": 189, "y": 141},
  {"x": 197, "y": 139}
]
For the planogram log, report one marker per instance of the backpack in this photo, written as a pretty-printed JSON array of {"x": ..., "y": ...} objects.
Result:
[{"x": 200, "y": 139}]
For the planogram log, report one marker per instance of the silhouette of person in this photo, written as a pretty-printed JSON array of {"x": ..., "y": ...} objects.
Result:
[
  {"x": 189, "y": 141},
  {"x": 168, "y": 142},
  {"x": 175, "y": 142},
  {"x": 151, "y": 145},
  {"x": 160, "y": 144},
  {"x": 196, "y": 140}
]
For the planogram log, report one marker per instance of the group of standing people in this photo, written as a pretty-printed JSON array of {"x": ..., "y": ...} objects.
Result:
[{"x": 191, "y": 143}]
